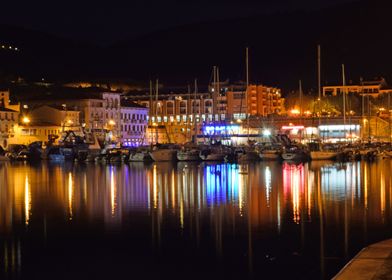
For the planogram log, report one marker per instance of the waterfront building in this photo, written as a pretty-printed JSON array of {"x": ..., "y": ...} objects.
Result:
[
  {"x": 66, "y": 118},
  {"x": 177, "y": 115},
  {"x": 45, "y": 123},
  {"x": 257, "y": 100},
  {"x": 103, "y": 113},
  {"x": 29, "y": 132},
  {"x": 99, "y": 111},
  {"x": 133, "y": 123},
  {"x": 9, "y": 117},
  {"x": 373, "y": 89}
]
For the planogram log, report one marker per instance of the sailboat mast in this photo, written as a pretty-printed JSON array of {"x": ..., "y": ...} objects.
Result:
[
  {"x": 194, "y": 114},
  {"x": 300, "y": 99},
  {"x": 246, "y": 90},
  {"x": 319, "y": 79},
  {"x": 389, "y": 117},
  {"x": 344, "y": 99},
  {"x": 214, "y": 93},
  {"x": 150, "y": 113},
  {"x": 217, "y": 92},
  {"x": 187, "y": 115},
  {"x": 156, "y": 110}
]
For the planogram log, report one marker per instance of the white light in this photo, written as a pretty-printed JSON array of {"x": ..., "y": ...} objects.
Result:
[{"x": 266, "y": 132}]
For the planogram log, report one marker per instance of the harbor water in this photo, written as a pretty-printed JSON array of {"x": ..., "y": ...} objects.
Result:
[{"x": 264, "y": 220}]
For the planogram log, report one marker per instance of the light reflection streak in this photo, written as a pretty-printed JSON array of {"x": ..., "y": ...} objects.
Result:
[
  {"x": 154, "y": 187},
  {"x": 309, "y": 193},
  {"x": 173, "y": 190},
  {"x": 267, "y": 174},
  {"x": 382, "y": 194},
  {"x": 113, "y": 192},
  {"x": 293, "y": 182},
  {"x": 27, "y": 200},
  {"x": 70, "y": 195},
  {"x": 365, "y": 183}
]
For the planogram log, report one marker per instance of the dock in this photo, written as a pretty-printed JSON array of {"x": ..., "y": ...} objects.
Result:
[{"x": 373, "y": 262}]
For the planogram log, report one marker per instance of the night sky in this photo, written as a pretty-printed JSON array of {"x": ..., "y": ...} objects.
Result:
[{"x": 107, "y": 22}]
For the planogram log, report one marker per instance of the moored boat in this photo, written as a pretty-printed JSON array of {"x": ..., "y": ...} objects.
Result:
[
  {"x": 212, "y": 155},
  {"x": 140, "y": 155},
  {"x": 270, "y": 154},
  {"x": 164, "y": 153},
  {"x": 188, "y": 155},
  {"x": 323, "y": 155},
  {"x": 248, "y": 155},
  {"x": 295, "y": 153}
]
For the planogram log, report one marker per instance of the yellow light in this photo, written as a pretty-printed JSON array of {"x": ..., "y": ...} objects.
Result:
[
  {"x": 70, "y": 195},
  {"x": 70, "y": 122},
  {"x": 295, "y": 112},
  {"x": 26, "y": 120},
  {"x": 239, "y": 121},
  {"x": 112, "y": 122},
  {"x": 27, "y": 200}
]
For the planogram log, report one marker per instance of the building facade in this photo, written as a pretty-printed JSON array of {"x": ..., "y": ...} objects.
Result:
[
  {"x": 373, "y": 89},
  {"x": 9, "y": 118},
  {"x": 133, "y": 124},
  {"x": 256, "y": 100}
]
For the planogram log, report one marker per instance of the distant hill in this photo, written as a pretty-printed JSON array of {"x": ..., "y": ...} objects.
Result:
[
  {"x": 282, "y": 49},
  {"x": 43, "y": 55}
]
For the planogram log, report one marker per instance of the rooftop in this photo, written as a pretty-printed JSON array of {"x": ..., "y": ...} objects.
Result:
[
  {"x": 130, "y": 104},
  {"x": 3, "y": 109}
]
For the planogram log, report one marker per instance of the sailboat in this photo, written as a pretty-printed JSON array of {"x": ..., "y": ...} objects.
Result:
[
  {"x": 161, "y": 152},
  {"x": 190, "y": 151},
  {"x": 248, "y": 152}
]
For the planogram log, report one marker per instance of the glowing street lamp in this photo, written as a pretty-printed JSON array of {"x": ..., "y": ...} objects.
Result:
[
  {"x": 112, "y": 122},
  {"x": 26, "y": 120}
]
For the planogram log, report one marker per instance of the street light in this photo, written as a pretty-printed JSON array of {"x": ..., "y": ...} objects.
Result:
[
  {"x": 112, "y": 122},
  {"x": 26, "y": 120}
]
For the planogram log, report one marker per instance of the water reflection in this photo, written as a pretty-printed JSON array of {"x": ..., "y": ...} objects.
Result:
[{"x": 267, "y": 211}]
